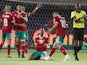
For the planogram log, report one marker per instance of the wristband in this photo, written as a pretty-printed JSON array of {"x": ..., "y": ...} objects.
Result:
[{"x": 36, "y": 8}]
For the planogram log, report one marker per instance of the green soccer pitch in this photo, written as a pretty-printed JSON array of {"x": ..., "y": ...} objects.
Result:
[{"x": 58, "y": 57}]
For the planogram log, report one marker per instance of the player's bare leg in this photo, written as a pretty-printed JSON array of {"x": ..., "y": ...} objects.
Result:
[
  {"x": 80, "y": 46},
  {"x": 8, "y": 48},
  {"x": 75, "y": 49},
  {"x": 17, "y": 44}
]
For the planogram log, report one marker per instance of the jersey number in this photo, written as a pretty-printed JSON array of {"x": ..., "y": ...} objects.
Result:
[
  {"x": 63, "y": 23},
  {"x": 5, "y": 22}
]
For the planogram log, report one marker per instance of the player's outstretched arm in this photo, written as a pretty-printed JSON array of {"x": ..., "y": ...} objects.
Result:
[
  {"x": 35, "y": 10},
  {"x": 53, "y": 27},
  {"x": 22, "y": 25}
]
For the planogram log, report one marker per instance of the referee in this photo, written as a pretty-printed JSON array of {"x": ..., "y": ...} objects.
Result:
[{"x": 78, "y": 16}]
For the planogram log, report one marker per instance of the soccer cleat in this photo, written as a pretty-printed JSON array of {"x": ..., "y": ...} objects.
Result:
[
  {"x": 67, "y": 57},
  {"x": 9, "y": 56},
  {"x": 74, "y": 54},
  {"x": 42, "y": 58},
  {"x": 23, "y": 56},
  {"x": 77, "y": 59},
  {"x": 48, "y": 58}
]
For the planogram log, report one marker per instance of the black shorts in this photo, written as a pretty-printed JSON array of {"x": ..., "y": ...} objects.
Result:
[{"x": 78, "y": 34}]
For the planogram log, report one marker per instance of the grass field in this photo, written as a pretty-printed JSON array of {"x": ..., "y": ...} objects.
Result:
[{"x": 58, "y": 57}]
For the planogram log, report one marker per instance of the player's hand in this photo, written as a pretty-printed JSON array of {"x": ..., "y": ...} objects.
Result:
[
  {"x": 67, "y": 26},
  {"x": 39, "y": 5},
  {"x": 85, "y": 16},
  {"x": 49, "y": 31},
  {"x": 44, "y": 45},
  {"x": 35, "y": 45},
  {"x": 19, "y": 16},
  {"x": 23, "y": 25}
]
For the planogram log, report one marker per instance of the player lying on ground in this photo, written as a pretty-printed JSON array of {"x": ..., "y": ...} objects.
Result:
[
  {"x": 40, "y": 46},
  {"x": 60, "y": 25}
]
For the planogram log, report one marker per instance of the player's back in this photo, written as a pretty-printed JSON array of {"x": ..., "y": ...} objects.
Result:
[
  {"x": 60, "y": 30},
  {"x": 7, "y": 19}
]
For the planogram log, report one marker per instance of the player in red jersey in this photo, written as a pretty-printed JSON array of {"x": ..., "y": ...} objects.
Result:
[
  {"x": 60, "y": 25},
  {"x": 21, "y": 19},
  {"x": 7, "y": 20},
  {"x": 41, "y": 42},
  {"x": 20, "y": 32}
]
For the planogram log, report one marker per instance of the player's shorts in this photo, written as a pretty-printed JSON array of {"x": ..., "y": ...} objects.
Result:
[
  {"x": 26, "y": 35},
  {"x": 20, "y": 35},
  {"x": 6, "y": 36},
  {"x": 37, "y": 55},
  {"x": 78, "y": 34},
  {"x": 59, "y": 40}
]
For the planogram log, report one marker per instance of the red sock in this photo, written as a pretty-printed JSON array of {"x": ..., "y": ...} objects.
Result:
[
  {"x": 26, "y": 50},
  {"x": 62, "y": 49},
  {"x": 52, "y": 52},
  {"x": 1, "y": 46},
  {"x": 18, "y": 48},
  {"x": 23, "y": 49},
  {"x": 8, "y": 49}
]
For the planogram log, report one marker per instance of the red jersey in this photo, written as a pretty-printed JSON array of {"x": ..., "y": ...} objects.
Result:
[
  {"x": 60, "y": 30},
  {"x": 41, "y": 43},
  {"x": 7, "y": 20},
  {"x": 20, "y": 20}
]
